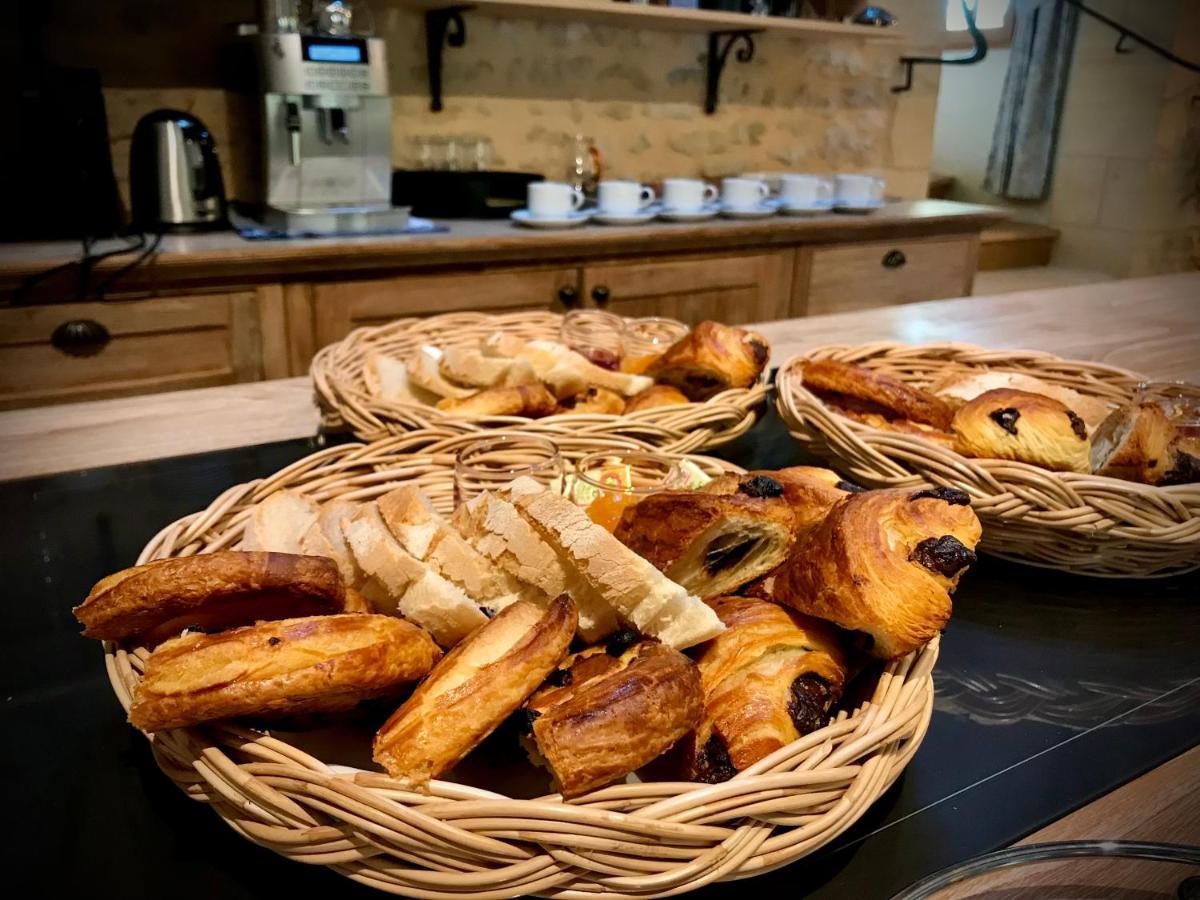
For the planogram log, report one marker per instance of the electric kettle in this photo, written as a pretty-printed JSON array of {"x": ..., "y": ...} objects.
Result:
[{"x": 174, "y": 176}]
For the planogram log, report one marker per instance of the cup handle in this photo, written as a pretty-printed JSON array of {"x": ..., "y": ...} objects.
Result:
[
  {"x": 764, "y": 190},
  {"x": 647, "y": 197},
  {"x": 710, "y": 194},
  {"x": 577, "y": 198}
]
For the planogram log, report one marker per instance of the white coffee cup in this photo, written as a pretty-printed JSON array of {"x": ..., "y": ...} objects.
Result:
[
  {"x": 803, "y": 191},
  {"x": 553, "y": 198},
  {"x": 858, "y": 190},
  {"x": 624, "y": 197},
  {"x": 743, "y": 193},
  {"x": 684, "y": 194}
]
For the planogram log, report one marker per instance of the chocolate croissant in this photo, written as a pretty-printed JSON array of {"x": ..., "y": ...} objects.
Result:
[
  {"x": 769, "y": 679},
  {"x": 1009, "y": 424},
  {"x": 712, "y": 544},
  {"x": 150, "y": 603},
  {"x": 864, "y": 390},
  {"x": 884, "y": 564},
  {"x": 712, "y": 358},
  {"x": 809, "y": 491},
  {"x": 290, "y": 667},
  {"x": 611, "y": 709}
]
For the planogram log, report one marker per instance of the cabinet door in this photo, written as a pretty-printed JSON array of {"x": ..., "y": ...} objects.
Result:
[
  {"x": 843, "y": 277},
  {"x": 734, "y": 288},
  {"x": 340, "y": 307},
  {"x": 84, "y": 351}
]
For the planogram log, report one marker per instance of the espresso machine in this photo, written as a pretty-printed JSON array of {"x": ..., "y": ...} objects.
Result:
[{"x": 326, "y": 121}]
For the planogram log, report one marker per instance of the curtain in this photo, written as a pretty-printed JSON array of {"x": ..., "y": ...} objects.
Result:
[{"x": 1026, "y": 132}]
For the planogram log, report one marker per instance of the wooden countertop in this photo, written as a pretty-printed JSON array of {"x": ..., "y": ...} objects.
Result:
[
  {"x": 223, "y": 256},
  {"x": 1150, "y": 325}
]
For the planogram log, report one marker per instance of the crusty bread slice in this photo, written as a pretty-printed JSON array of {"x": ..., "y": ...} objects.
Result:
[
  {"x": 424, "y": 371},
  {"x": 279, "y": 522},
  {"x": 387, "y": 379},
  {"x": 426, "y": 534},
  {"x": 548, "y": 357},
  {"x": 332, "y": 542},
  {"x": 468, "y": 366},
  {"x": 415, "y": 590},
  {"x": 502, "y": 344},
  {"x": 494, "y": 528},
  {"x": 637, "y": 592}
]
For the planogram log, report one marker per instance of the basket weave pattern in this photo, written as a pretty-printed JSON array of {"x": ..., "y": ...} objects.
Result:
[
  {"x": 1088, "y": 524},
  {"x": 457, "y": 841},
  {"x": 338, "y": 377}
]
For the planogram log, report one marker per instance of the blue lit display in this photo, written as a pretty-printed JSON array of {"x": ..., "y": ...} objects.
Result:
[{"x": 336, "y": 53}]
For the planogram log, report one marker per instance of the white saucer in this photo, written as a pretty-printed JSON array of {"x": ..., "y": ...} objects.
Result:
[
  {"x": 813, "y": 209},
  {"x": 761, "y": 211},
  {"x": 626, "y": 218},
  {"x": 690, "y": 215},
  {"x": 838, "y": 206},
  {"x": 570, "y": 220}
]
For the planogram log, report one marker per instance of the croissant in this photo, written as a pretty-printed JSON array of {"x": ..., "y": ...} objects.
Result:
[
  {"x": 809, "y": 491},
  {"x": 656, "y": 396},
  {"x": 595, "y": 400},
  {"x": 1008, "y": 424},
  {"x": 884, "y": 563},
  {"x": 289, "y": 667},
  {"x": 530, "y": 400},
  {"x": 611, "y": 709},
  {"x": 864, "y": 390},
  {"x": 711, "y": 544},
  {"x": 770, "y": 678},
  {"x": 475, "y": 687},
  {"x": 712, "y": 358}
]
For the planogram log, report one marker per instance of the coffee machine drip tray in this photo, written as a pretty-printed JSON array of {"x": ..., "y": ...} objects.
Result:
[{"x": 320, "y": 220}]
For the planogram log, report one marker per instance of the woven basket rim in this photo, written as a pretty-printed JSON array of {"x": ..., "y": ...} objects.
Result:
[
  {"x": 673, "y": 836},
  {"x": 1101, "y": 508},
  {"x": 340, "y": 387}
]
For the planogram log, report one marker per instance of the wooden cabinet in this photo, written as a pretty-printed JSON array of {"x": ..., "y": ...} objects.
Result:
[
  {"x": 83, "y": 351},
  {"x": 340, "y": 307},
  {"x": 733, "y": 288},
  {"x": 841, "y": 277}
]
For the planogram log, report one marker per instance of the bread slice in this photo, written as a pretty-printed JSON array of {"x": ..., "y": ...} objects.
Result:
[
  {"x": 468, "y": 366},
  {"x": 637, "y": 592},
  {"x": 1133, "y": 444},
  {"x": 961, "y": 387},
  {"x": 549, "y": 358},
  {"x": 502, "y": 344},
  {"x": 415, "y": 591},
  {"x": 279, "y": 522},
  {"x": 424, "y": 533},
  {"x": 387, "y": 379},
  {"x": 424, "y": 371},
  {"x": 494, "y": 528}
]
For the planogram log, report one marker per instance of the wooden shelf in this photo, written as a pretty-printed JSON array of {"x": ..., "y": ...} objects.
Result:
[{"x": 660, "y": 18}]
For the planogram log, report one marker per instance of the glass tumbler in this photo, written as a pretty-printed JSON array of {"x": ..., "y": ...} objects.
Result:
[
  {"x": 647, "y": 339},
  {"x": 609, "y": 481},
  {"x": 600, "y": 336},
  {"x": 492, "y": 463}
]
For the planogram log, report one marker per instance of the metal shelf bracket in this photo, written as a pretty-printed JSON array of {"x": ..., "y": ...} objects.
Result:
[
  {"x": 718, "y": 55},
  {"x": 443, "y": 28}
]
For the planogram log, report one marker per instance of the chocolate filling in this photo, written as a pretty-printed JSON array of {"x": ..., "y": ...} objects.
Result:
[
  {"x": 560, "y": 677},
  {"x": 951, "y": 495},
  {"x": 487, "y": 611},
  {"x": 760, "y": 487},
  {"x": 620, "y": 641},
  {"x": 727, "y": 551},
  {"x": 705, "y": 382},
  {"x": 810, "y": 701},
  {"x": 1077, "y": 426},
  {"x": 274, "y": 640},
  {"x": 759, "y": 350},
  {"x": 1185, "y": 471},
  {"x": 1006, "y": 418},
  {"x": 861, "y": 641},
  {"x": 946, "y": 555},
  {"x": 523, "y": 719},
  {"x": 849, "y": 487},
  {"x": 712, "y": 762}
]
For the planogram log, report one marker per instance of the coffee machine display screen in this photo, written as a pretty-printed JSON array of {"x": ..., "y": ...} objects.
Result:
[{"x": 334, "y": 50}]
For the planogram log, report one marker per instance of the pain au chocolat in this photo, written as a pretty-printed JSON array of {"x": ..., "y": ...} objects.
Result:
[
  {"x": 150, "y": 603},
  {"x": 315, "y": 664},
  {"x": 712, "y": 358},
  {"x": 884, "y": 564}
]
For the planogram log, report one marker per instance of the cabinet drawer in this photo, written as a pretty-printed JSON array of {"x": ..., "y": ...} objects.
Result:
[
  {"x": 859, "y": 276},
  {"x": 126, "y": 347}
]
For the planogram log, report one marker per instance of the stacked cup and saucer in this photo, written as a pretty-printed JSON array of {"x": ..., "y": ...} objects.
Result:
[
  {"x": 805, "y": 195},
  {"x": 747, "y": 198},
  {"x": 552, "y": 204},
  {"x": 624, "y": 203},
  {"x": 688, "y": 200},
  {"x": 858, "y": 193}
]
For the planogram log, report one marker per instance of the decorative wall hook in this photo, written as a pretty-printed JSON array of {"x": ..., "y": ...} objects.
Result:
[
  {"x": 718, "y": 54},
  {"x": 976, "y": 55},
  {"x": 443, "y": 27}
]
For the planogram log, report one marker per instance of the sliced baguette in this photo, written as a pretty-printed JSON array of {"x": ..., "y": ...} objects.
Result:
[
  {"x": 637, "y": 592},
  {"x": 387, "y": 379},
  {"x": 415, "y": 591},
  {"x": 279, "y": 522},
  {"x": 547, "y": 357},
  {"x": 424, "y": 371},
  {"x": 468, "y": 366}
]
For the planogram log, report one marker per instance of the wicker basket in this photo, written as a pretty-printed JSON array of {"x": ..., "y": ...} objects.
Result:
[
  {"x": 457, "y": 841},
  {"x": 337, "y": 372},
  {"x": 1087, "y": 524}
]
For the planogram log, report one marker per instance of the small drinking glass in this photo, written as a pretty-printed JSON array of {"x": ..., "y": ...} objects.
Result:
[
  {"x": 647, "y": 339},
  {"x": 609, "y": 481},
  {"x": 493, "y": 463},
  {"x": 1178, "y": 399},
  {"x": 600, "y": 336}
]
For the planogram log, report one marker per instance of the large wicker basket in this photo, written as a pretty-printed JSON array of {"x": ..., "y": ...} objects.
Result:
[
  {"x": 338, "y": 376},
  {"x": 458, "y": 841},
  {"x": 1087, "y": 524}
]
